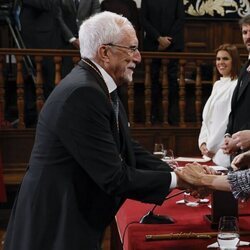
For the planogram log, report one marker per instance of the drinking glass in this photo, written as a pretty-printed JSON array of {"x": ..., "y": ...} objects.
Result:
[
  {"x": 159, "y": 151},
  {"x": 169, "y": 158},
  {"x": 228, "y": 234}
]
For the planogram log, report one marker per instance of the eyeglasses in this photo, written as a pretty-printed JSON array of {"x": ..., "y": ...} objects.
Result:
[{"x": 131, "y": 49}]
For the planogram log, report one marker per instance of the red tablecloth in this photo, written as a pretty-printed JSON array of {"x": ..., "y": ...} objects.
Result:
[
  {"x": 2, "y": 187},
  {"x": 187, "y": 219}
]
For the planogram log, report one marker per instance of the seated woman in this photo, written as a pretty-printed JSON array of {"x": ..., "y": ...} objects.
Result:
[
  {"x": 218, "y": 106},
  {"x": 238, "y": 182}
]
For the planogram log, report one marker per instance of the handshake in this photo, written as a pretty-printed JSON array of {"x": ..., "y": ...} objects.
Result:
[{"x": 200, "y": 180}]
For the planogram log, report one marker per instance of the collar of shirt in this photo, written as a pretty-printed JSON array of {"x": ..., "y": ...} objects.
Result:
[{"x": 107, "y": 78}]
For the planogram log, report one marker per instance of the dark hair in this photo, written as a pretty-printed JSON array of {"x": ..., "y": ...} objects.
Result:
[
  {"x": 232, "y": 50},
  {"x": 244, "y": 20}
]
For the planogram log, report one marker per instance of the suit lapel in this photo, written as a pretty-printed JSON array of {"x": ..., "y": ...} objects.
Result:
[
  {"x": 88, "y": 65},
  {"x": 243, "y": 87},
  {"x": 243, "y": 81},
  {"x": 82, "y": 6},
  {"x": 124, "y": 132},
  {"x": 236, "y": 93},
  {"x": 72, "y": 6}
]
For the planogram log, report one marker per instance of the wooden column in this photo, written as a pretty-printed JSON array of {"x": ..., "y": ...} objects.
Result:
[
  {"x": 182, "y": 93},
  {"x": 165, "y": 91},
  {"x": 39, "y": 84},
  {"x": 20, "y": 91},
  {"x": 198, "y": 92},
  {"x": 2, "y": 92},
  {"x": 58, "y": 67},
  {"x": 148, "y": 86}
]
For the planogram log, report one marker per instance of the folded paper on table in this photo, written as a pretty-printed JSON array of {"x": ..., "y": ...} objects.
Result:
[
  {"x": 193, "y": 159},
  {"x": 242, "y": 243},
  {"x": 200, "y": 201}
]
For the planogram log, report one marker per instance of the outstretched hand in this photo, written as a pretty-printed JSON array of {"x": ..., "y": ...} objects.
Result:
[
  {"x": 192, "y": 173},
  {"x": 229, "y": 146},
  {"x": 241, "y": 160},
  {"x": 189, "y": 178}
]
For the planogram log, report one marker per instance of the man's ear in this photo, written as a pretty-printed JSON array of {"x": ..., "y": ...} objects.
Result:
[{"x": 103, "y": 53}]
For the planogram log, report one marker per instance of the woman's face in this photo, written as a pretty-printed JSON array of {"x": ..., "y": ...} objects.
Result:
[{"x": 224, "y": 63}]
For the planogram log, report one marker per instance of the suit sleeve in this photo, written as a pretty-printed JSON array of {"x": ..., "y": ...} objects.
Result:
[
  {"x": 95, "y": 7},
  {"x": 66, "y": 32},
  {"x": 178, "y": 26},
  {"x": 84, "y": 129},
  {"x": 45, "y": 5},
  {"x": 148, "y": 27}
]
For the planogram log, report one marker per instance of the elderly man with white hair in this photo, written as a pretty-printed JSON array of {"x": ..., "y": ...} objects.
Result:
[{"x": 84, "y": 164}]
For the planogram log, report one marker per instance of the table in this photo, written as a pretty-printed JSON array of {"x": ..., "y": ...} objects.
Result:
[{"x": 187, "y": 219}]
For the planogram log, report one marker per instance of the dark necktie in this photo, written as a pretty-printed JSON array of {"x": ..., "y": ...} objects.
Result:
[
  {"x": 115, "y": 104},
  {"x": 76, "y": 4}
]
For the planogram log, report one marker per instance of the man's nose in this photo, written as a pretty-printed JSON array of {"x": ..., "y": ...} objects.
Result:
[{"x": 137, "y": 56}]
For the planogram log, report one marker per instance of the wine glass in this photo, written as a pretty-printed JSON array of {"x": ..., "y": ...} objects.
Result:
[
  {"x": 228, "y": 234},
  {"x": 159, "y": 151},
  {"x": 169, "y": 158}
]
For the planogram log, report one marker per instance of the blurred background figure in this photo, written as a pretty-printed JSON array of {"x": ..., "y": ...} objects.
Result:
[
  {"x": 39, "y": 30},
  {"x": 163, "y": 23},
  {"x": 73, "y": 12},
  {"x": 128, "y": 9},
  {"x": 239, "y": 118},
  {"x": 218, "y": 106}
]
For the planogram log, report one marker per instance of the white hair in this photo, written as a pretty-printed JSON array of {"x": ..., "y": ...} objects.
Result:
[{"x": 102, "y": 28}]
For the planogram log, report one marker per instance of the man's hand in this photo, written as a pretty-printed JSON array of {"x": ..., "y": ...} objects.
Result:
[
  {"x": 189, "y": 179},
  {"x": 164, "y": 42},
  {"x": 205, "y": 151},
  {"x": 192, "y": 173},
  {"x": 229, "y": 146},
  {"x": 242, "y": 139},
  {"x": 241, "y": 160},
  {"x": 181, "y": 183}
]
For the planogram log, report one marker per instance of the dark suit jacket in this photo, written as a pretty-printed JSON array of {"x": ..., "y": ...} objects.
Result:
[
  {"x": 127, "y": 8},
  {"x": 39, "y": 24},
  {"x": 163, "y": 18},
  {"x": 239, "y": 118},
  {"x": 71, "y": 19},
  {"x": 78, "y": 174}
]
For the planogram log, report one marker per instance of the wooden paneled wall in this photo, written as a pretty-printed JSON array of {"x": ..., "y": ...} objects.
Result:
[
  {"x": 200, "y": 35},
  {"x": 207, "y": 35}
]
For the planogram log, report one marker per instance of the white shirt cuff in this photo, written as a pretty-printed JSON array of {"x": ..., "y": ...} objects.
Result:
[
  {"x": 72, "y": 39},
  {"x": 173, "y": 180}
]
